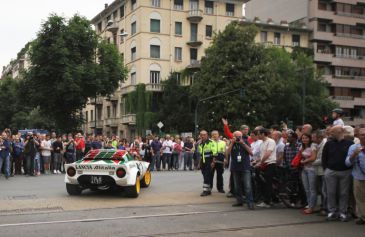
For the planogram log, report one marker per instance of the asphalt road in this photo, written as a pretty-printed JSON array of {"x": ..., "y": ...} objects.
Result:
[{"x": 171, "y": 206}]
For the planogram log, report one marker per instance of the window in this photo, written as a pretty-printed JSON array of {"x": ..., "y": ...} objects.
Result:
[
  {"x": 100, "y": 26},
  {"x": 133, "y": 53},
  {"x": 133, "y": 78},
  {"x": 108, "y": 19},
  {"x": 134, "y": 4},
  {"x": 86, "y": 116},
  {"x": 133, "y": 28},
  {"x": 178, "y": 54},
  {"x": 193, "y": 32},
  {"x": 122, "y": 37},
  {"x": 263, "y": 36},
  {"x": 155, "y": 25},
  {"x": 155, "y": 77},
  {"x": 209, "y": 7},
  {"x": 277, "y": 38},
  {"x": 194, "y": 4},
  {"x": 178, "y": 78},
  {"x": 229, "y": 9},
  {"x": 296, "y": 40},
  {"x": 155, "y": 3},
  {"x": 121, "y": 11},
  {"x": 115, "y": 15},
  {"x": 322, "y": 5},
  {"x": 208, "y": 31},
  {"x": 108, "y": 111},
  {"x": 154, "y": 51},
  {"x": 114, "y": 110},
  {"x": 178, "y": 28},
  {"x": 91, "y": 115},
  {"x": 193, "y": 54},
  {"x": 179, "y": 5},
  {"x": 115, "y": 38}
]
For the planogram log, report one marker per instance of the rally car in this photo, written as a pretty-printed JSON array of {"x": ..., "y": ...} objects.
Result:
[{"x": 106, "y": 169}]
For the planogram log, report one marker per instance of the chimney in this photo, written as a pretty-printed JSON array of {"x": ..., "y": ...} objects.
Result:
[
  {"x": 284, "y": 23},
  {"x": 270, "y": 21},
  {"x": 106, "y": 5}
]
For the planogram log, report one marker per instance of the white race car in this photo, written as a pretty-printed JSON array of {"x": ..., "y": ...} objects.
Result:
[{"x": 105, "y": 169}]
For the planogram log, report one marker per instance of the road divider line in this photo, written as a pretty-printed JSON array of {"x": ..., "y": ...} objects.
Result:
[{"x": 112, "y": 218}]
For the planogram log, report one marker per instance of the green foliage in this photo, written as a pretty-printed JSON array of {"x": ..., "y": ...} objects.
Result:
[
  {"x": 271, "y": 78},
  {"x": 176, "y": 107},
  {"x": 64, "y": 71}
]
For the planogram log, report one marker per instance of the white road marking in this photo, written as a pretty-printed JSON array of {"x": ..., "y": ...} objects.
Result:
[{"x": 109, "y": 218}]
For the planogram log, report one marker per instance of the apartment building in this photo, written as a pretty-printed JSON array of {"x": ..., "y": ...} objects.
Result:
[
  {"x": 16, "y": 67},
  {"x": 338, "y": 40},
  {"x": 280, "y": 34},
  {"x": 155, "y": 38}
]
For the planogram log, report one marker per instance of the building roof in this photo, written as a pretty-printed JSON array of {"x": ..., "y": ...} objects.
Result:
[{"x": 106, "y": 11}]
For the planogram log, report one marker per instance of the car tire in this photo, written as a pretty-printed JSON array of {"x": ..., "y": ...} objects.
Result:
[
  {"x": 133, "y": 191},
  {"x": 73, "y": 189},
  {"x": 146, "y": 181}
]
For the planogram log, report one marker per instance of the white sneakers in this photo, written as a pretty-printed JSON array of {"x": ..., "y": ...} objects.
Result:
[{"x": 263, "y": 205}]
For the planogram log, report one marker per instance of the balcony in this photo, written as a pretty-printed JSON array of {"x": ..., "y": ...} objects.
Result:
[
  {"x": 349, "y": 102},
  {"x": 194, "y": 64},
  {"x": 344, "y": 82},
  {"x": 99, "y": 124},
  {"x": 349, "y": 61},
  {"x": 113, "y": 28},
  {"x": 111, "y": 122},
  {"x": 129, "y": 119},
  {"x": 195, "y": 16},
  {"x": 353, "y": 121},
  {"x": 113, "y": 97},
  {"x": 348, "y": 39},
  {"x": 323, "y": 57},
  {"x": 195, "y": 41},
  {"x": 323, "y": 36},
  {"x": 127, "y": 89},
  {"x": 154, "y": 87},
  {"x": 99, "y": 101}
]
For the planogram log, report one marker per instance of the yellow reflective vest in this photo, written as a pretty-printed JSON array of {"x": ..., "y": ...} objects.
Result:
[{"x": 208, "y": 149}]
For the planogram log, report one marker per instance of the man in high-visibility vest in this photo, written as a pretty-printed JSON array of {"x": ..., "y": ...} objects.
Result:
[
  {"x": 207, "y": 150},
  {"x": 218, "y": 161}
]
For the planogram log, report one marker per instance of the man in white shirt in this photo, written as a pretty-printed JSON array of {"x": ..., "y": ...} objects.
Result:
[
  {"x": 267, "y": 164},
  {"x": 167, "y": 147}
]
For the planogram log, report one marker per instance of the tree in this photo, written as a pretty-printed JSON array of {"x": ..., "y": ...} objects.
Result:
[
  {"x": 69, "y": 66},
  {"x": 270, "y": 77},
  {"x": 175, "y": 107}
]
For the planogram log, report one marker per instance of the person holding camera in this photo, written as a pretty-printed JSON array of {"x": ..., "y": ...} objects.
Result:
[
  {"x": 30, "y": 152},
  {"x": 356, "y": 159},
  {"x": 239, "y": 151}
]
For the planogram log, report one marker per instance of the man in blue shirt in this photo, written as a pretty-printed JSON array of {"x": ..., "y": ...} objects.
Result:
[
  {"x": 239, "y": 151},
  {"x": 5, "y": 154},
  {"x": 156, "y": 146},
  {"x": 356, "y": 159}
]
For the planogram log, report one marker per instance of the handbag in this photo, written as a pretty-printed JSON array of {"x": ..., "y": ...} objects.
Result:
[{"x": 295, "y": 163}]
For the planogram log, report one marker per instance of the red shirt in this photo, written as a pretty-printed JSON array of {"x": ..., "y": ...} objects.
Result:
[{"x": 80, "y": 144}]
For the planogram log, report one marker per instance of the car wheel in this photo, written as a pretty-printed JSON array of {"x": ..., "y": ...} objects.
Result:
[
  {"x": 73, "y": 189},
  {"x": 133, "y": 191},
  {"x": 146, "y": 181}
]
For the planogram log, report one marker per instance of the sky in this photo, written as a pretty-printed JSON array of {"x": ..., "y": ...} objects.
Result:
[{"x": 20, "y": 20}]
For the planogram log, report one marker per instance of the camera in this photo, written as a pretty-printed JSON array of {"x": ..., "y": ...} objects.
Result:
[{"x": 238, "y": 139}]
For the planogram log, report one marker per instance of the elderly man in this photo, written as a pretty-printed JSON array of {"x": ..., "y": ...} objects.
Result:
[
  {"x": 239, "y": 152},
  {"x": 336, "y": 174},
  {"x": 356, "y": 160}
]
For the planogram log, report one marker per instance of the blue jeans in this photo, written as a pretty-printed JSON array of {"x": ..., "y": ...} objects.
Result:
[
  {"x": 6, "y": 162},
  {"x": 155, "y": 161},
  {"x": 242, "y": 179},
  {"x": 309, "y": 178},
  {"x": 37, "y": 162}
]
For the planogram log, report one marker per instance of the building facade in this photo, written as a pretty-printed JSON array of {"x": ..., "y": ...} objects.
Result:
[
  {"x": 339, "y": 45},
  {"x": 155, "y": 38}
]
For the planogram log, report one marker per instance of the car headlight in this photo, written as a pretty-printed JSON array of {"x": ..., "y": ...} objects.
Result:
[{"x": 71, "y": 171}]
